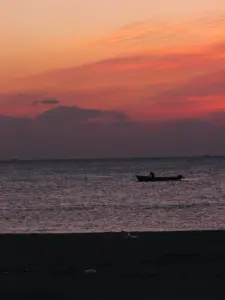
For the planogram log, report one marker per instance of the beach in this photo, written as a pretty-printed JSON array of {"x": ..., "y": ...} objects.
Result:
[{"x": 109, "y": 264}]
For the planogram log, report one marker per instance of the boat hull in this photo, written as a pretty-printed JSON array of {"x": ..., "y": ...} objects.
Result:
[{"x": 144, "y": 178}]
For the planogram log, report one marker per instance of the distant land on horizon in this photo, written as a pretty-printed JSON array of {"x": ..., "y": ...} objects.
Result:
[{"x": 108, "y": 158}]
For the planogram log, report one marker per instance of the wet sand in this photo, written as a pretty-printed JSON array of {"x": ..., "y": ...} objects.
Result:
[{"x": 112, "y": 265}]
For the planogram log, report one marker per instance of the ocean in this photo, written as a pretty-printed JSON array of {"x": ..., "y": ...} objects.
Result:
[{"x": 104, "y": 195}]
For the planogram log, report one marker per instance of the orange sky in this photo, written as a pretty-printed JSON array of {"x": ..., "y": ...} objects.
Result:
[{"x": 160, "y": 67}]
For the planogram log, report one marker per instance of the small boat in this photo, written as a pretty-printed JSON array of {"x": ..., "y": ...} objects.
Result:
[{"x": 155, "y": 178}]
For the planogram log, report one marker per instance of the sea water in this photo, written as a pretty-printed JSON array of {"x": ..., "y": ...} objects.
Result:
[{"x": 104, "y": 195}]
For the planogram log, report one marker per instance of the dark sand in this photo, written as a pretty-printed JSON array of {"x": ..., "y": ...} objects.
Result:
[{"x": 151, "y": 266}]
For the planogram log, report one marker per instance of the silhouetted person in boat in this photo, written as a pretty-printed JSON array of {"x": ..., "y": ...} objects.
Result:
[{"x": 152, "y": 174}]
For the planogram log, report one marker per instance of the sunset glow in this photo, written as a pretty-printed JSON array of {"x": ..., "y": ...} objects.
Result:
[{"x": 151, "y": 62}]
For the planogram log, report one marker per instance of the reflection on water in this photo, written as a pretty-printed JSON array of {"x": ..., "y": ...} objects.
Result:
[{"x": 103, "y": 195}]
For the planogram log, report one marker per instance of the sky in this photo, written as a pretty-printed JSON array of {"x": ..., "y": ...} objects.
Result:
[{"x": 149, "y": 72}]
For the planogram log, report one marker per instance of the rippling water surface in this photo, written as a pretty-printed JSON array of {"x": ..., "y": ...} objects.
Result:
[{"x": 103, "y": 195}]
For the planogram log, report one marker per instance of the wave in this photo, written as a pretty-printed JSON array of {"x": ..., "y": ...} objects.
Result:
[
  {"x": 182, "y": 206},
  {"x": 129, "y": 206},
  {"x": 191, "y": 179}
]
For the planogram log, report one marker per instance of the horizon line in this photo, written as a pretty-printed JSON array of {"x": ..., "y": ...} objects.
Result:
[{"x": 15, "y": 160}]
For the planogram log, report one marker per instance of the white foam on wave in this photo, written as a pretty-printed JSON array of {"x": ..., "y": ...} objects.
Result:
[{"x": 191, "y": 179}]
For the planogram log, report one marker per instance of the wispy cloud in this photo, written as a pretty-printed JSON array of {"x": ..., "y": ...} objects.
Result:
[
  {"x": 47, "y": 102},
  {"x": 155, "y": 34}
]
